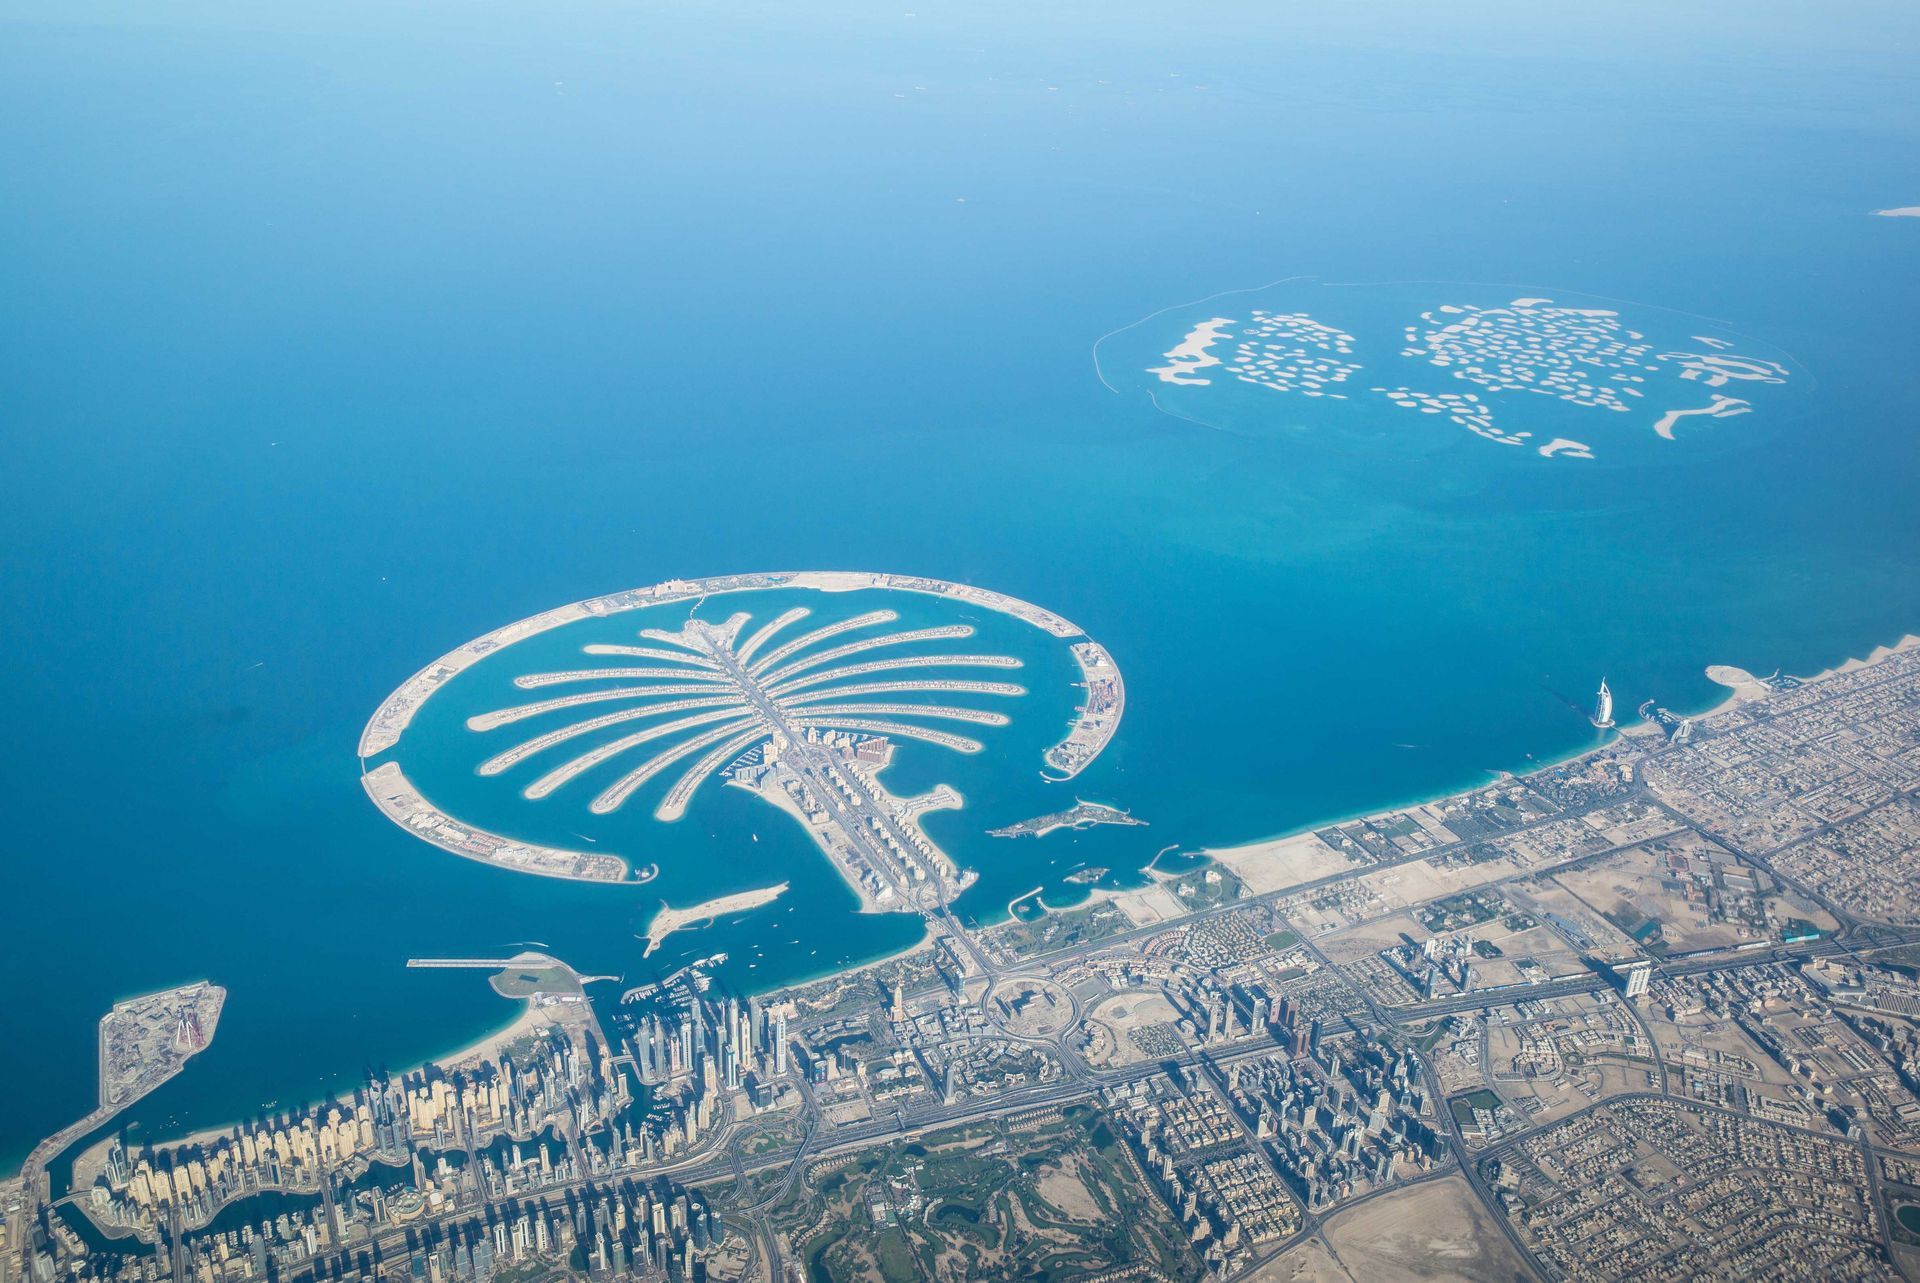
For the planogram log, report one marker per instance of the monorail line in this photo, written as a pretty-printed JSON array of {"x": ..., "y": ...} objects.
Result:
[
  {"x": 803, "y": 760},
  {"x": 749, "y": 711}
]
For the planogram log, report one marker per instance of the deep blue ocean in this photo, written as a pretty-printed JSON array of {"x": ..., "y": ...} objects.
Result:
[{"x": 332, "y": 336}]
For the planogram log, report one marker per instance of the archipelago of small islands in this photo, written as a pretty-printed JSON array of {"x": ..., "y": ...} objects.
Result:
[{"x": 1582, "y": 358}]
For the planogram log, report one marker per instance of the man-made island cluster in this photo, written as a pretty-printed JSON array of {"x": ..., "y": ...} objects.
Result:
[
  {"x": 754, "y": 690},
  {"x": 1582, "y": 358},
  {"x": 1649, "y": 1013}
]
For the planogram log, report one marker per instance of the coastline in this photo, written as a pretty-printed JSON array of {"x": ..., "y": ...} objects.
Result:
[
  {"x": 529, "y": 1017},
  {"x": 1742, "y": 687},
  {"x": 1142, "y": 905}
]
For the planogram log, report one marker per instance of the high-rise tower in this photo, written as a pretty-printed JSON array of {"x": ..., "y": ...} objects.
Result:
[{"x": 1602, "y": 717}]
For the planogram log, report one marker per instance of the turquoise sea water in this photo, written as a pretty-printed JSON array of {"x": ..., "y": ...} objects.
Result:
[{"x": 333, "y": 336}]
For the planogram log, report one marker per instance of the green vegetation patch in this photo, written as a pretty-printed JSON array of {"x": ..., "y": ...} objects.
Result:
[
  {"x": 1464, "y": 1104},
  {"x": 1206, "y": 887},
  {"x": 1061, "y": 930},
  {"x": 519, "y": 982},
  {"x": 1643, "y": 929},
  {"x": 1050, "y": 1198},
  {"x": 1458, "y": 912}
]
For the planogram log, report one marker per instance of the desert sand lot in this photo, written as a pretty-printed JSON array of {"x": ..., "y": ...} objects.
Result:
[
  {"x": 1434, "y": 1232},
  {"x": 1121, "y": 1014},
  {"x": 1281, "y": 863}
]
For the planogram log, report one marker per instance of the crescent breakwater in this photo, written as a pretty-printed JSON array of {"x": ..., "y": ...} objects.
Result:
[{"x": 406, "y": 806}]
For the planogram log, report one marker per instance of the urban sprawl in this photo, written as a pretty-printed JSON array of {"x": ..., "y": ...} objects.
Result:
[{"x": 1652, "y": 1013}]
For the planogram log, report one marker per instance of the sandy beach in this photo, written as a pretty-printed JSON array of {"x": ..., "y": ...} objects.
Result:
[
  {"x": 1744, "y": 686},
  {"x": 1275, "y": 864},
  {"x": 531, "y": 1019}
]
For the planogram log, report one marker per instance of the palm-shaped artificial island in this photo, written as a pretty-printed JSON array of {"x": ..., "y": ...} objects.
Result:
[{"x": 804, "y": 717}]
